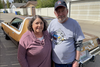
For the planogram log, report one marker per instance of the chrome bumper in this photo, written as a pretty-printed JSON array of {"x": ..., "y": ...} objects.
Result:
[
  {"x": 95, "y": 51},
  {"x": 90, "y": 55}
]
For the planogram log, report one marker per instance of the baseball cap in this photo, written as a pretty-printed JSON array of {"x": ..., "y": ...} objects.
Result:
[{"x": 60, "y": 3}]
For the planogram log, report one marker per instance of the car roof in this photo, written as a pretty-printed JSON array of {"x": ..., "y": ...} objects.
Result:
[{"x": 23, "y": 17}]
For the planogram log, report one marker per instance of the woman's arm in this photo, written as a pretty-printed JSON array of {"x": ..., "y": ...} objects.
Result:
[{"x": 22, "y": 54}]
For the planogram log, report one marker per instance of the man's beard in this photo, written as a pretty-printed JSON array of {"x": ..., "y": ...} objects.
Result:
[{"x": 63, "y": 18}]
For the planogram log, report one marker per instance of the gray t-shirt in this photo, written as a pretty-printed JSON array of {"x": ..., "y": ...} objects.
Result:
[{"x": 64, "y": 36}]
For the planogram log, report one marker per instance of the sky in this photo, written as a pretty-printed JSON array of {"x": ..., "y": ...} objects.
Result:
[{"x": 9, "y": 0}]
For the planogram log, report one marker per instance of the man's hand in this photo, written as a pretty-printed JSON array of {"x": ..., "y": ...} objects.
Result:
[{"x": 75, "y": 64}]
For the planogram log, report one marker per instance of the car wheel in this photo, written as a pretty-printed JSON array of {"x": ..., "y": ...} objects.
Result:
[
  {"x": 17, "y": 44},
  {"x": 7, "y": 37},
  {"x": 80, "y": 65},
  {"x": 92, "y": 59}
]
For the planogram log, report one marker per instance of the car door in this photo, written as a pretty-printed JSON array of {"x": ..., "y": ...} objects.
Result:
[
  {"x": 15, "y": 24},
  {"x": 6, "y": 27}
]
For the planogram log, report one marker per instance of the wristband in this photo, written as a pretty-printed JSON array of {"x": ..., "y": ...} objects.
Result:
[{"x": 77, "y": 60}]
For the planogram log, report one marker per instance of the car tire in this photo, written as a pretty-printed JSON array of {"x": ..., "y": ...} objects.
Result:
[
  {"x": 7, "y": 37},
  {"x": 93, "y": 59},
  {"x": 80, "y": 65},
  {"x": 17, "y": 44}
]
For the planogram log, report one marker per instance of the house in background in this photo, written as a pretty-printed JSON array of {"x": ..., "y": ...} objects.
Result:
[
  {"x": 30, "y": 5},
  {"x": 16, "y": 5}
]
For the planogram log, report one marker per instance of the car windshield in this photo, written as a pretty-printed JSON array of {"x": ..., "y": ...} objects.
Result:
[{"x": 16, "y": 22}]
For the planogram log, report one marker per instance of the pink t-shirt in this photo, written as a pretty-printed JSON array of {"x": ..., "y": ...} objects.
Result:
[{"x": 33, "y": 52}]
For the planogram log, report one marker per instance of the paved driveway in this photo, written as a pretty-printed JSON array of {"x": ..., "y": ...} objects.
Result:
[{"x": 8, "y": 52}]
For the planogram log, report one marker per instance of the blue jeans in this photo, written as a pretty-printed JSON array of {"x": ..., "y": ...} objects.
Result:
[{"x": 63, "y": 65}]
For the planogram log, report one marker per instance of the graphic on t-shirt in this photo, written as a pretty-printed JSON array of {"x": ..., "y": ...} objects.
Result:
[{"x": 58, "y": 36}]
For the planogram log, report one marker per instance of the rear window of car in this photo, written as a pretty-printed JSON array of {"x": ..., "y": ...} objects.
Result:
[{"x": 16, "y": 22}]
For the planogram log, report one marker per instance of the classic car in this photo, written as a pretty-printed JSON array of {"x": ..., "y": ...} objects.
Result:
[
  {"x": 89, "y": 49},
  {"x": 18, "y": 26}
]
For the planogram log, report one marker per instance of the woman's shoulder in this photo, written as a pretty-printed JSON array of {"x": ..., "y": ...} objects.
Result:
[
  {"x": 25, "y": 35},
  {"x": 46, "y": 34}
]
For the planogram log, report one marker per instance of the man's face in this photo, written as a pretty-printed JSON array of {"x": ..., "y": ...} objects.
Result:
[{"x": 61, "y": 14}]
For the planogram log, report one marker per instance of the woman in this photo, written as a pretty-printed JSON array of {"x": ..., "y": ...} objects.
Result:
[{"x": 34, "y": 48}]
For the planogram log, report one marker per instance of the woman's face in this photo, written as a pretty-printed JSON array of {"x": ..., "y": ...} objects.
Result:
[{"x": 38, "y": 25}]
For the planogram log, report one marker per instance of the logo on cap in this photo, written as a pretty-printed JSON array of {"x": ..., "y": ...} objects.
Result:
[{"x": 59, "y": 2}]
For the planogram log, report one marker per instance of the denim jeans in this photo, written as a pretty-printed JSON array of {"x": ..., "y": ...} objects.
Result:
[{"x": 63, "y": 65}]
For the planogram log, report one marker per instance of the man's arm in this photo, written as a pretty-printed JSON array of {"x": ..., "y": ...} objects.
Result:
[
  {"x": 77, "y": 55},
  {"x": 78, "y": 46}
]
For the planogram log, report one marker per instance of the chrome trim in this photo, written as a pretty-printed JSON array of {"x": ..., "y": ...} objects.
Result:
[
  {"x": 86, "y": 60},
  {"x": 96, "y": 53},
  {"x": 88, "y": 57},
  {"x": 91, "y": 55},
  {"x": 94, "y": 50},
  {"x": 17, "y": 32}
]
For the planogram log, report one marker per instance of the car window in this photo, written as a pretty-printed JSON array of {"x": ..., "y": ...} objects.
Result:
[{"x": 16, "y": 22}]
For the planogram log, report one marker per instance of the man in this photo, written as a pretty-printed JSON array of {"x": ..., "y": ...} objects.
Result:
[{"x": 66, "y": 37}]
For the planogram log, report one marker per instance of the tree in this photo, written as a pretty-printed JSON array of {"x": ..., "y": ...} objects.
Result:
[
  {"x": 45, "y": 3},
  {"x": 22, "y": 1},
  {"x": 1, "y": 4},
  {"x": 8, "y": 5},
  {"x": 32, "y": 0}
]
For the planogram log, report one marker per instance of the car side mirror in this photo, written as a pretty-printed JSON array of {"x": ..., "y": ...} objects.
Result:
[{"x": 8, "y": 23}]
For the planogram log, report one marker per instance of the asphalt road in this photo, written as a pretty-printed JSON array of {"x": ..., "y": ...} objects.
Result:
[
  {"x": 91, "y": 28},
  {"x": 8, "y": 50}
]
